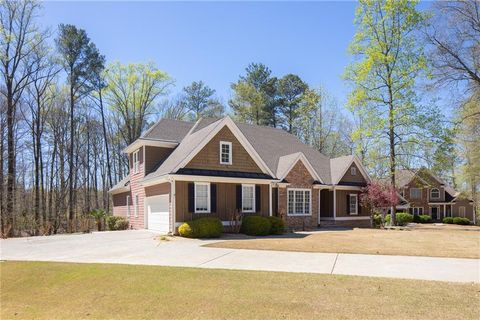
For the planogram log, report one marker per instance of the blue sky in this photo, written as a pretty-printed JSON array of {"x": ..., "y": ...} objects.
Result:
[{"x": 215, "y": 41}]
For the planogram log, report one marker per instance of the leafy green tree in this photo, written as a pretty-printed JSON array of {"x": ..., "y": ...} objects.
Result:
[
  {"x": 389, "y": 60},
  {"x": 132, "y": 93},
  {"x": 200, "y": 101},
  {"x": 290, "y": 91},
  {"x": 445, "y": 157},
  {"x": 254, "y": 99},
  {"x": 80, "y": 59}
]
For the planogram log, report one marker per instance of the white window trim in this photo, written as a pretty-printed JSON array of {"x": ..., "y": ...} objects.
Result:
[
  {"x": 128, "y": 206},
  {"x": 418, "y": 210},
  {"x": 356, "y": 204},
  {"x": 195, "y": 197},
  {"x": 415, "y": 189},
  {"x": 135, "y": 205},
  {"x": 432, "y": 197},
  {"x": 136, "y": 161},
  {"x": 254, "y": 198},
  {"x": 353, "y": 171},
  {"x": 294, "y": 197},
  {"x": 229, "y": 144}
]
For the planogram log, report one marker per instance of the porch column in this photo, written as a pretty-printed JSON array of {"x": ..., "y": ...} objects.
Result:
[
  {"x": 172, "y": 204},
  {"x": 270, "y": 199},
  {"x": 319, "y": 190},
  {"x": 444, "y": 210},
  {"x": 334, "y": 204}
]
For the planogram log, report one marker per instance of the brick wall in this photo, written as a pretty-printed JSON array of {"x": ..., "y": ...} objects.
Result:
[{"x": 299, "y": 177}]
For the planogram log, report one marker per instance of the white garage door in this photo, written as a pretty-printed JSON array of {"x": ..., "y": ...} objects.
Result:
[{"x": 158, "y": 214}]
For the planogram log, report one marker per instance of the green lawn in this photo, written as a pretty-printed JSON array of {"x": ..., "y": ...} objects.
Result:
[{"x": 41, "y": 290}]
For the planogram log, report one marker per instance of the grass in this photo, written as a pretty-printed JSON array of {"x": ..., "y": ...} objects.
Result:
[
  {"x": 42, "y": 290},
  {"x": 445, "y": 241}
]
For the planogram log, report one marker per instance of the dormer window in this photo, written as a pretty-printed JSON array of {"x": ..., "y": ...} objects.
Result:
[
  {"x": 353, "y": 171},
  {"x": 136, "y": 162},
  {"x": 225, "y": 152},
  {"x": 435, "y": 193}
]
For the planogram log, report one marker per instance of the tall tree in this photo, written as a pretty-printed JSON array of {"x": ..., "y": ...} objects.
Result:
[
  {"x": 388, "y": 61},
  {"x": 200, "y": 101},
  {"x": 19, "y": 36},
  {"x": 290, "y": 91},
  {"x": 254, "y": 98},
  {"x": 454, "y": 34},
  {"x": 132, "y": 93},
  {"x": 79, "y": 58}
]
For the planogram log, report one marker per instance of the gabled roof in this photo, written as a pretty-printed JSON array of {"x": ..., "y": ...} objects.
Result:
[
  {"x": 286, "y": 163},
  {"x": 340, "y": 165},
  {"x": 121, "y": 186},
  {"x": 274, "y": 150},
  {"x": 168, "y": 130},
  {"x": 272, "y": 144}
]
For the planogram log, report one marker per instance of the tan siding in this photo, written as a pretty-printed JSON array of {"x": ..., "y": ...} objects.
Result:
[
  {"x": 226, "y": 202},
  {"x": 137, "y": 188},
  {"x": 158, "y": 189},
  {"x": 154, "y": 156},
  {"x": 342, "y": 208},
  {"x": 348, "y": 177},
  {"x": 209, "y": 156}
]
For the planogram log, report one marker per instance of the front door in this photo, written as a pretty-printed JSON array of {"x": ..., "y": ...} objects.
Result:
[{"x": 434, "y": 213}]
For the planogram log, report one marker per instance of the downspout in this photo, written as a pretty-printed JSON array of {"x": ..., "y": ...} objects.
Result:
[
  {"x": 270, "y": 199},
  {"x": 334, "y": 204}
]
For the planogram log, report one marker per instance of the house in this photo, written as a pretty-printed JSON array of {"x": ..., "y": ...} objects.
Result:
[
  {"x": 181, "y": 170},
  {"x": 424, "y": 193}
]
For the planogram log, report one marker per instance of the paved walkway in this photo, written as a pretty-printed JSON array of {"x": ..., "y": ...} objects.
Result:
[{"x": 140, "y": 247}]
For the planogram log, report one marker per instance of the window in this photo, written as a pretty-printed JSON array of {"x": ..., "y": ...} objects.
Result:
[
  {"x": 353, "y": 204},
  {"x": 202, "y": 197},
  {"x": 128, "y": 206},
  {"x": 225, "y": 152},
  {"x": 415, "y": 193},
  {"x": 135, "y": 205},
  {"x": 353, "y": 171},
  {"x": 136, "y": 162},
  {"x": 435, "y": 193},
  {"x": 248, "y": 197},
  {"x": 299, "y": 202},
  {"x": 461, "y": 212},
  {"x": 416, "y": 211}
]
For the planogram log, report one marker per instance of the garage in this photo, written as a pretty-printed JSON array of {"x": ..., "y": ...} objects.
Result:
[{"x": 158, "y": 213}]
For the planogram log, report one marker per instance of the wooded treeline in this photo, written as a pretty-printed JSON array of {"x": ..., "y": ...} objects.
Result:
[{"x": 66, "y": 113}]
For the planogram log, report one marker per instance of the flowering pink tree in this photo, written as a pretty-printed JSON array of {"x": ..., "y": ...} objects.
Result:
[{"x": 378, "y": 198}]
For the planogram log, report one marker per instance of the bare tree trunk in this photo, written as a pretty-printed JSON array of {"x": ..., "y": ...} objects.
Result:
[
  {"x": 11, "y": 159},
  {"x": 70, "y": 227}
]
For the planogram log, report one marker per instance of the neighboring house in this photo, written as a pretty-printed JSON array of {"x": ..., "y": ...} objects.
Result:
[
  {"x": 181, "y": 170},
  {"x": 424, "y": 193}
]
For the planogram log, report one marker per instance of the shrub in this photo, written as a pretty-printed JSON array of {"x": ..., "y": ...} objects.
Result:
[
  {"x": 111, "y": 220},
  {"x": 186, "y": 230},
  {"x": 277, "y": 225},
  {"x": 425, "y": 218},
  {"x": 402, "y": 218},
  {"x": 117, "y": 223},
  {"x": 377, "y": 220},
  {"x": 121, "y": 224},
  {"x": 462, "y": 221},
  {"x": 201, "y": 228},
  {"x": 208, "y": 227},
  {"x": 98, "y": 215},
  {"x": 256, "y": 226},
  {"x": 448, "y": 220}
]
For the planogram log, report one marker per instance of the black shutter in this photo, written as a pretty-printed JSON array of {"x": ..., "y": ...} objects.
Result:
[
  {"x": 257, "y": 198},
  {"x": 348, "y": 204},
  {"x": 358, "y": 205},
  {"x": 191, "y": 195},
  {"x": 239, "y": 197},
  {"x": 213, "y": 198}
]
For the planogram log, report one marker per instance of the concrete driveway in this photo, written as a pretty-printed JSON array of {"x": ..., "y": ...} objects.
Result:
[{"x": 140, "y": 247}]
